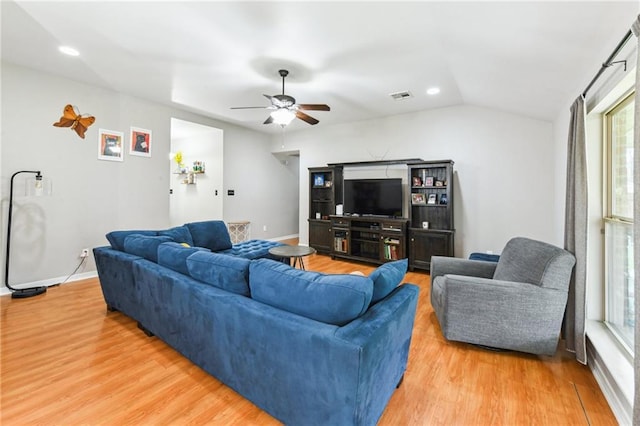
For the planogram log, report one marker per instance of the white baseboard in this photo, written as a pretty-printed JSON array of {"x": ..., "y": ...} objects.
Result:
[
  {"x": 50, "y": 282},
  {"x": 285, "y": 237}
]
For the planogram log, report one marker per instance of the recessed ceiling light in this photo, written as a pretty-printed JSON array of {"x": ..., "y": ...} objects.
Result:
[
  {"x": 433, "y": 91},
  {"x": 67, "y": 50}
]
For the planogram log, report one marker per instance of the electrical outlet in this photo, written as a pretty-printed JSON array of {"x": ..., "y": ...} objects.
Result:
[{"x": 84, "y": 253}]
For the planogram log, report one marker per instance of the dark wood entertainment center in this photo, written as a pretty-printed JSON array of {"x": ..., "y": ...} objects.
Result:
[{"x": 427, "y": 231}]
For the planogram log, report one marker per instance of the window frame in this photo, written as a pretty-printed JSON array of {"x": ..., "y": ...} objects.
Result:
[{"x": 608, "y": 217}]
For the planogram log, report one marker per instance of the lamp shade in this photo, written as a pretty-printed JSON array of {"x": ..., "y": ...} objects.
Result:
[
  {"x": 283, "y": 116},
  {"x": 38, "y": 186}
]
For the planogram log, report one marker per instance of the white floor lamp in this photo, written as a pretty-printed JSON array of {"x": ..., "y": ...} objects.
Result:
[{"x": 37, "y": 187}]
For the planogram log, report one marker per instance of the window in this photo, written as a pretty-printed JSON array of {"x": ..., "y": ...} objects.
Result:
[{"x": 619, "y": 270}]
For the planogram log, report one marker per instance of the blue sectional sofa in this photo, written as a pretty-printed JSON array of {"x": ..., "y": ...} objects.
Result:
[{"x": 308, "y": 348}]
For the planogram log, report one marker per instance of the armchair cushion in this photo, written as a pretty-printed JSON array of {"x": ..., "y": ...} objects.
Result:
[{"x": 535, "y": 262}]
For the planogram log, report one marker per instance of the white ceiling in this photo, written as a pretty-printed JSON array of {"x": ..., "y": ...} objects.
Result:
[{"x": 524, "y": 57}]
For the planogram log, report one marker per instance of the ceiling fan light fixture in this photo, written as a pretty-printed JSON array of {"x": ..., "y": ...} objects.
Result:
[{"x": 283, "y": 116}]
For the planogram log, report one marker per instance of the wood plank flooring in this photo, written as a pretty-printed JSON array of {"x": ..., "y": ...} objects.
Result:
[{"x": 67, "y": 361}]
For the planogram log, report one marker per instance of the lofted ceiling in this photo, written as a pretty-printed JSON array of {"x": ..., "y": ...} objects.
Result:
[{"x": 528, "y": 58}]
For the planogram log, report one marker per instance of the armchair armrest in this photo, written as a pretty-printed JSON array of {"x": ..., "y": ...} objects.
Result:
[{"x": 443, "y": 265}]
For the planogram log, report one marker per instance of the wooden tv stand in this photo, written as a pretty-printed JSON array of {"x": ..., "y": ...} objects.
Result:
[{"x": 368, "y": 238}]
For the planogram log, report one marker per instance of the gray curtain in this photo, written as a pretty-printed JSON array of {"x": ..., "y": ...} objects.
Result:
[
  {"x": 636, "y": 230},
  {"x": 575, "y": 232}
]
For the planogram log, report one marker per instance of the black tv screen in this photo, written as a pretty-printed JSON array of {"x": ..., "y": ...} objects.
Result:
[{"x": 373, "y": 197}]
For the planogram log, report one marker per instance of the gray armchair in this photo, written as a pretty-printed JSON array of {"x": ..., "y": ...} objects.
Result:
[{"x": 517, "y": 303}]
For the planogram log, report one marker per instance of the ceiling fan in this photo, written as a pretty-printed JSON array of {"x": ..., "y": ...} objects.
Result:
[{"x": 285, "y": 108}]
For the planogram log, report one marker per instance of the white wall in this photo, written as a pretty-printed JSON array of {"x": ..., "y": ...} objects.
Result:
[
  {"x": 202, "y": 200},
  {"x": 504, "y": 167},
  {"x": 93, "y": 197}
]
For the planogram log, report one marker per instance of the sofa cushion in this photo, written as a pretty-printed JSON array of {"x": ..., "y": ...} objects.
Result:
[
  {"x": 387, "y": 277},
  {"x": 116, "y": 238},
  {"x": 144, "y": 245},
  {"x": 174, "y": 256},
  {"x": 220, "y": 270},
  {"x": 252, "y": 249},
  {"x": 212, "y": 234},
  {"x": 179, "y": 234},
  {"x": 332, "y": 299}
]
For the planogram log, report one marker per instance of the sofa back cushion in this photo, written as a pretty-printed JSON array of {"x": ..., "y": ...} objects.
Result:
[
  {"x": 332, "y": 299},
  {"x": 387, "y": 277},
  {"x": 116, "y": 238},
  {"x": 174, "y": 256},
  {"x": 144, "y": 245},
  {"x": 220, "y": 270},
  {"x": 535, "y": 262},
  {"x": 179, "y": 234},
  {"x": 212, "y": 234}
]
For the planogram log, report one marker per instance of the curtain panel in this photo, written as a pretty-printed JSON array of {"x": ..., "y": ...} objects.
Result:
[{"x": 575, "y": 231}]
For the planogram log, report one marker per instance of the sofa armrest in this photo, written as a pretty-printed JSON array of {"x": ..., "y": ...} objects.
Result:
[
  {"x": 443, "y": 265},
  {"x": 383, "y": 336},
  {"x": 402, "y": 300}
]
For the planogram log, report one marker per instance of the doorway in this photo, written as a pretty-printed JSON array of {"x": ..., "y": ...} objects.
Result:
[{"x": 195, "y": 190}]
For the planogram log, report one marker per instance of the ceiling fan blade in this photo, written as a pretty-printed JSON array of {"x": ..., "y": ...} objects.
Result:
[
  {"x": 314, "y": 107},
  {"x": 304, "y": 117},
  {"x": 269, "y": 120},
  {"x": 251, "y": 107}
]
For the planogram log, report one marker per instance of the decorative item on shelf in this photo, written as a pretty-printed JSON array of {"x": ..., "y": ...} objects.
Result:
[
  {"x": 198, "y": 166},
  {"x": 439, "y": 183},
  {"x": 443, "y": 199},
  {"x": 428, "y": 181},
  {"x": 425, "y": 225},
  {"x": 417, "y": 181},
  {"x": 432, "y": 199},
  {"x": 318, "y": 180},
  {"x": 417, "y": 198},
  {"x": 327, "y": 183},
  {"x": 178, "y": 159},
  {"x": 318, "y": 215},
  {"x": 34, "y": 187}
]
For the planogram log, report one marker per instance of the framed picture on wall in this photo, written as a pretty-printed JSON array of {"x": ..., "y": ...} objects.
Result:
[
  {"x": 110, "y": 145},
  {"x": 140, "y": 142}
]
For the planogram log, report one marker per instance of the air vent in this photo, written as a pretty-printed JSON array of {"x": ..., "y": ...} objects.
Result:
[{"x": 401, "y": 95}]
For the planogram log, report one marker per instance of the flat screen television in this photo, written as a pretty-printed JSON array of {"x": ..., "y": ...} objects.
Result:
[{"x": 373, "y": 197}]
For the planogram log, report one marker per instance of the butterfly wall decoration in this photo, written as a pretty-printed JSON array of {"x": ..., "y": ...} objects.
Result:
[{"x": 71, "y": 117}]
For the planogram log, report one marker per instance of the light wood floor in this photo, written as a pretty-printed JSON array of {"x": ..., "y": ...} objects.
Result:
[{"x": 66, "y": 361}]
